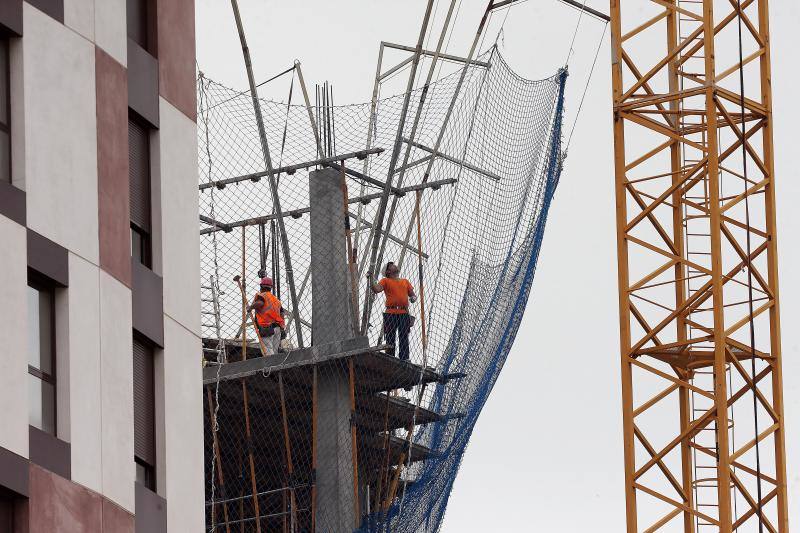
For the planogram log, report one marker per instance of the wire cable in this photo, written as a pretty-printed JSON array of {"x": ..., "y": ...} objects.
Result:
[
  {"x": 759, "y": 495},
  {"x": 575, "y": 33},
  {"x": 586, "y": 88}
]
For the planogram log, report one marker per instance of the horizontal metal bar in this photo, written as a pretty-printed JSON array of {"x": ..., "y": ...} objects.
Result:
[
  {"x": 361, "y": 176},
  {"x": 587, "y": 9},
  {"x": 572, "y": 3},
  {"x": 212, "y": 222},
  {"x": 259, "y": 494},
  {"x": 297, "y": 213},
  {"x": 291, "y": 169},
  {"x": 453, "y": 160},
  {"x": 395, "y": 68},
  {"x": 391, "y": 237},
  {"x": 412, "y": 164},
  {"x": 261, "y": 517},
  {"x": 446, "y": 57}
]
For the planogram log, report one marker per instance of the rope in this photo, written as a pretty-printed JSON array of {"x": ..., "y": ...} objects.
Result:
[
  {"x": 751, "y": 321},
  {"x": 204, "y": 110}
]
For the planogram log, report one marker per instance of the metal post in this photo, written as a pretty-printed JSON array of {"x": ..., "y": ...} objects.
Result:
[
  {"x": 395, "y": 153},
  {"x": 276, "y": 202},
  {"x": 303, "y": 88},
  {"x": 373, "y": 117},
  {"x": 446, "y": 120},
  {"x": 415, "y": 125}
]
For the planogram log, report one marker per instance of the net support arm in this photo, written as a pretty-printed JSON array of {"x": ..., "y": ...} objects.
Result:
[
  {"x": 459, "y": 162},
  {"x": 445, "y": 121},
  {"x": 276, "y": 201},
  {"x": 393, "y": 163},
  {"x": 307, "y": 102},
  {"x": 297, "y": 213},
  {"x": 291, "y": 169},
  {"x": 441, "y": 55},
  {"x": 392, "y": 238}
]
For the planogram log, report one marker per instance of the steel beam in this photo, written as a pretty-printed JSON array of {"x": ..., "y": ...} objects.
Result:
[
  {"x": 291, "y": 169},
  {"x": 297, "y": 213},
  {"x": 442, "y": 56},
  {"x": 456, "y": 161}
]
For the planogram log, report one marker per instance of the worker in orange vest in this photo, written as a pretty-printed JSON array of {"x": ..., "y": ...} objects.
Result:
[
  {"x": 269, "y": 317},
  {"x": 396, "y": 319}
]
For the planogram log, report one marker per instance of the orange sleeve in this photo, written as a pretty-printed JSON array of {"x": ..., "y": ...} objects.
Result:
[
  {"x": 382, "y": 282},
  {"x": 410, "y": 287}
]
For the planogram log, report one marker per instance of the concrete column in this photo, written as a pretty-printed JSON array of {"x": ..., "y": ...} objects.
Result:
[
  {"x": 331, "y": 321},
  {"x": 330, "y": 276}
]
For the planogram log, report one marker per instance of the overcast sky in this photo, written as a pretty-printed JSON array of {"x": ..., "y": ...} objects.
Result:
[{"x": 546, "y": 454}]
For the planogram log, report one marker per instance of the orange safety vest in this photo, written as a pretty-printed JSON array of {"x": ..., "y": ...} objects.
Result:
[{"x": 270, "y": 312}]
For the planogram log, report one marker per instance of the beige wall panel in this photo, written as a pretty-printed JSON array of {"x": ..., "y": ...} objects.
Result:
[
  {"x": 85, "y": 422},
  {"x": 179, "y": 244},
  {"x": 60, "y": 134},
  {"x": 63, "y": 370},
  {"x": 183, "y": 429},
  {"x": 111, "y": 29},
  {"x": 116, "y": 376},
  {"x": 13, "y": 331},
  {"x": 79, "y": 15}
]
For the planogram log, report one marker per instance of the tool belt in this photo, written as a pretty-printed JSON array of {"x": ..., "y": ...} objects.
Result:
[
  {"x": 268, "y": 331},
  {"x": 401, "y": 307}
]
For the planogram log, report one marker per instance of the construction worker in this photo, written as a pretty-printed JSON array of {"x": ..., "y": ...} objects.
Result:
[
  {"x": 396, "y": 319},
  {"x": 269, "y": 317}
]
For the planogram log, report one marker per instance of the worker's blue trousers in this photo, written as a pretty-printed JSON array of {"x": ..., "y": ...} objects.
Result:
[{"x": 394, "y": 323}]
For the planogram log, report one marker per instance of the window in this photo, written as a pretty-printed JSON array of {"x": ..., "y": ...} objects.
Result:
[
  {"x": 138, "y": 12},
  {"x": 140, "y": 245},
  {"x": 6, "y": 513},
  {"x": 139, "y": 175},
  {"x": 41, "y": 357},
  {"x": 5, "y": 112},
  {"x": 144, "y": 426}
]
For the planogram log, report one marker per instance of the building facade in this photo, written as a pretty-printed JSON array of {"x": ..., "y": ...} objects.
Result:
[{"x": 101, "y": 426}]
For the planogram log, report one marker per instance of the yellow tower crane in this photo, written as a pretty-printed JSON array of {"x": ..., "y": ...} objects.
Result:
[{"x": 702, "y": 390}]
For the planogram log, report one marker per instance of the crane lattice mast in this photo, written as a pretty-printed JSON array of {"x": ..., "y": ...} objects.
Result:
[{"x": 698, "y": 279}]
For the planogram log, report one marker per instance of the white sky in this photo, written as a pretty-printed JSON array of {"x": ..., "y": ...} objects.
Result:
[{"x": 546, "y": 454}]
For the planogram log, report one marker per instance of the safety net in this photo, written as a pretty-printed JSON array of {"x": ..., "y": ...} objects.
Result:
[{"x": 336, "y": 407}]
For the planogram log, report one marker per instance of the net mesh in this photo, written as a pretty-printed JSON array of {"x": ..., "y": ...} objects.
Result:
[{"x": 336, "y": 429}]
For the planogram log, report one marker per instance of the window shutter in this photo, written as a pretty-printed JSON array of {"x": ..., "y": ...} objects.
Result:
[
  {"x": 144, "y": 438},
  {"x": 5, "y": 113},
  {"x": 137, "y": 21},
  {"x": 139, "y": 174}
]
